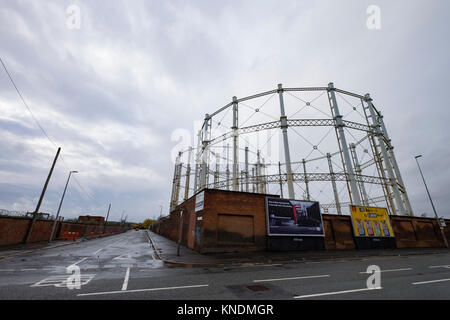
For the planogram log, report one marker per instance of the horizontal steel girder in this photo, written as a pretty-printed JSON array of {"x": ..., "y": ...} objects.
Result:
[
  {"x": 292, "y": 123},
  {"x": 300, "y": 177}
]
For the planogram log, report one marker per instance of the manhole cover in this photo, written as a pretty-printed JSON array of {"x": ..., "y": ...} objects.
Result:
[{"x": 257, "y": 287}]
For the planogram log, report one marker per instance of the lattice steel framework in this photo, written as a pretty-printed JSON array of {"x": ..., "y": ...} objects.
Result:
[{"x": 370, "y": 178}]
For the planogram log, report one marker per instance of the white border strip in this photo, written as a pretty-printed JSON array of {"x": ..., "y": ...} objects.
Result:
[
  {"x": 142, "y": 290},
  {"x": 336, "y": 292},
  {"x": 431, "y": 281},
  {"x": 392, "y": 270},
  {"x": 293, "y": 278}
]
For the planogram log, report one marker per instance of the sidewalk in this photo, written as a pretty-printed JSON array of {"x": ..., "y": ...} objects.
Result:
[{"x": 167, "y": 252}]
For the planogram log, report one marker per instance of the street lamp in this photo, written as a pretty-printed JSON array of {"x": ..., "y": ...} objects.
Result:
[
  {"x": 429, "y": 196},
  {"x": 59, "y": 208}
]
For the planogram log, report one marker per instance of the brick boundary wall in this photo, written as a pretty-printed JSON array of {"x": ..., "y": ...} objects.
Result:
[
  {"x": 410, "y": 232},
  {"x": 13, "y": 230}
]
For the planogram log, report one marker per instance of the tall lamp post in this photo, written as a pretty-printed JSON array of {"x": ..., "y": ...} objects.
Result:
[
  {"x": 59, "y": 208},
  {"x": 429, "y": 196}
]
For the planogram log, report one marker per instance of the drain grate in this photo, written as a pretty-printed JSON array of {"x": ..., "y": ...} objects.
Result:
[{"x": 257, "y": 287}]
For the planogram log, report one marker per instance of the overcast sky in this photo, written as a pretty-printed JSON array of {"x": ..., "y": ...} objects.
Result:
[{"x": 112, "y": 92}]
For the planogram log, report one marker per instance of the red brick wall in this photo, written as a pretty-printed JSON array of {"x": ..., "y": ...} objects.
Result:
[
  {"x": 236, "y": 221},
  {"x": 338, "y": 232},
  {"x": 418, "y": 232},
  {"x": 13, "y": 230},
  {"x": 227, "y": 218}
]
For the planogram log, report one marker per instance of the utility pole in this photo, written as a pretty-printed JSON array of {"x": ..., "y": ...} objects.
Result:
[
  {"x": 434, "y": 209},
  {"x": 107, "y": 215},
  {"x": 36, "y": 211},
  {"x": 59, "y": 208},
  {"x": 180, "y": 231}
]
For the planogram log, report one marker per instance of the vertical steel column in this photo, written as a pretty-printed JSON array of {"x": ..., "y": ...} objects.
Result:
[
  {"x": 287, "y": 156},
  {"x": 376, "y": 125},
  {"x": 308, "y": 197},
  {"x": 253, "y": 180},
  {"x": 177, "y": 190},
  {"x": 228, "y": 167},
  {"x": 333, "y": 183},
  {"x": 356, "y": 199},
  {"x": 188, "y": 175},
  {"x": 358, "y": 171},
  {"x": 246, "y": 169},
  {"x": 378, "y": 164},
  {"x": 281, "y": 181},
  {"x": 216, "y": 173},
  {"x": 174, "y": 202},
  {"x": 395, "y": 166},
  {"x": 205, "y": 153},
  {"x": 264, "y": 176},
  {"x": 208, "y": 150},
  {"x": 197, "y": 161},
  {"x": 258, "y": 172},
  {"x": 235, "y": 145}
]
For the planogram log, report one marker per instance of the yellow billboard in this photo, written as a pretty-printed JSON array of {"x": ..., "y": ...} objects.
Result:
[{"x": 371, "y": 222}]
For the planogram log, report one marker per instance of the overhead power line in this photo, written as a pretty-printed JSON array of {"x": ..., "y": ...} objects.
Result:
[{"x": 43, "y": 130}]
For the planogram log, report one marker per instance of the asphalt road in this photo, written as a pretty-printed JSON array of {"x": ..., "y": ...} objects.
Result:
[{"x": 125, "y": 266}]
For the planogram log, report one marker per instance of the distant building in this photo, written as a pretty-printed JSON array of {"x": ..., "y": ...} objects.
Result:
[{"x": 91, "y": 219}]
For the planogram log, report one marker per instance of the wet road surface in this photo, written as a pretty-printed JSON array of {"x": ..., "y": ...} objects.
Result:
[{"x": 125, "y": 266}]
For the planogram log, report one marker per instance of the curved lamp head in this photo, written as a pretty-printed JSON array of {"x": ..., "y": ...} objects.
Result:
[{"x": 418, "y": 156}]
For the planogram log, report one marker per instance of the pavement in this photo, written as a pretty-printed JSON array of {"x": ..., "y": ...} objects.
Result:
[{"x": 167, "y": 252}]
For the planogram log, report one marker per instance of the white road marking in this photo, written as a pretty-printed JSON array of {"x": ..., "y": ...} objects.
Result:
[
  {"x": 260, "y": 265},
  {"x": 125, "y": 281},
  {"x": 293, "y": 278},
  {"x": 31, "y": 269},
  {"x": 61, "y": 280},
  {"x": 392, "y": 270},
  {"x": 333, "y": 293},
  {"x": 92, "y": 266},
  {"x": 7, "y": 270},
  {"x": 142, "y": 290},
  {"x": 74, "y": 264},
  {"x": 98, "y": 251},
  {"x": 121, "y": 257},
  {"x": 431, "y": 281},
  {"x": 444, "y": 266}
]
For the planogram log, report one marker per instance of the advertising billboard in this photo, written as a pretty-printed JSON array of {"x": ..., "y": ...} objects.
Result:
[
  {"x": 371, "y": 222},
  {"x": 293, "y": 218}
]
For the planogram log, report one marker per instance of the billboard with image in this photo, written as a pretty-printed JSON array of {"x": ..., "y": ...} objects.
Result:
[
  {"x": 370, "y": 222},
  {"x": 293, "y": 218}
]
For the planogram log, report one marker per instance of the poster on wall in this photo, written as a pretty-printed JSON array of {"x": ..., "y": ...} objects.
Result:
[
  {"x": 199, "y": 201},
  {"x": 293, "y": 218},
  {"x": 371, "y": 222}
]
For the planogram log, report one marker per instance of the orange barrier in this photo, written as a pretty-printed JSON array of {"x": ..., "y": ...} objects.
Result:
[
  {"x": 70, "y": 235},
  {"x": 91, "y": 235},
  {"x": 100, "y": 234}
]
